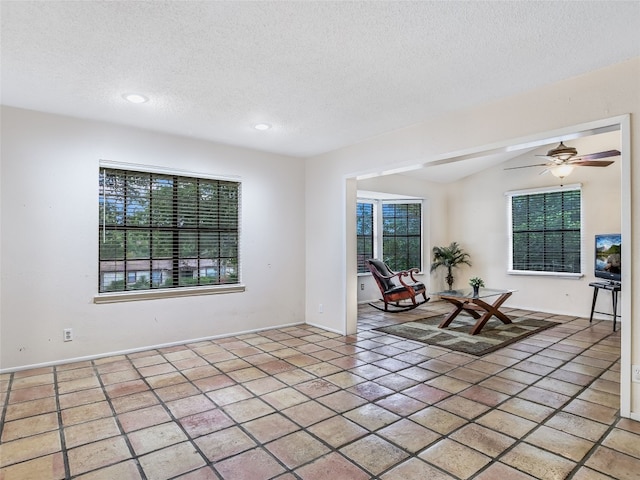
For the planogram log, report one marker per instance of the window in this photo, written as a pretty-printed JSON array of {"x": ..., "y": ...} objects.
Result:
[
  {"x": 160, "y": 231},
  {"x": 364, "y": 232},
  {"x": 546, "y": 230},
  {"x": 391, "y": 230}
]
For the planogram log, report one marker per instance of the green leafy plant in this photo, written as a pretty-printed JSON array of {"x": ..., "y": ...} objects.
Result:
[
  {"x": 476, "y": 282},
  {"x": 449, "y": 257}
]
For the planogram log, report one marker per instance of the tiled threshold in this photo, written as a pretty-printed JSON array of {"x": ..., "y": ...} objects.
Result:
[{"x": 301, "y": 402}]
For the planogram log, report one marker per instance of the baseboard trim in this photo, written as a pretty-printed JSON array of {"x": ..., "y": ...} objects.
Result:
[{"x": 148, "y": 347}]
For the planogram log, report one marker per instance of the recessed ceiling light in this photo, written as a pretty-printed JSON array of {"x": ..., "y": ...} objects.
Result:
[
  {"x": 262, "y": 126},
  {"x": 135, "y": 98}
]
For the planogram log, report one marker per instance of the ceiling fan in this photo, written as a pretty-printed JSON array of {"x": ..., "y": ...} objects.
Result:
[{"x": 563, "y": 159}]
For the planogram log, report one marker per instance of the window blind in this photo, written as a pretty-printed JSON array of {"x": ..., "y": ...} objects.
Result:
[
  {"x": 364, "y": 232},
  {"x": 166, "y": 231},
  {"x": 546, "y": 231}
]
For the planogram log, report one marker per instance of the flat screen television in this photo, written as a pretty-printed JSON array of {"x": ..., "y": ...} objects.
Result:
[{"x": 608, "y": 257}]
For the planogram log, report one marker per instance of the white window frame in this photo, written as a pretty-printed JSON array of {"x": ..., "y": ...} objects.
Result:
[
  {"x": 125, "y": 296},
  {"x": 533, "y": 191}
]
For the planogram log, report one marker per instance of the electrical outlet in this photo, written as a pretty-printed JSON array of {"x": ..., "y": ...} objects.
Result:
[
  {"x": 320, "y": 308},
  {"x": 362, "y": 286},
  {"x": 67, "y": 334},
  {"x": 635, "y": 373}
]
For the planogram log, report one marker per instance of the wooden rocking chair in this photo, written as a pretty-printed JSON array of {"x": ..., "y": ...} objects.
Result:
[{"x": 393, "y": 293}]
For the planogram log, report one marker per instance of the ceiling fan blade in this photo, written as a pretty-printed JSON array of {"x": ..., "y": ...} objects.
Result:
[
  {"x": 528, "y": 166},
  {"x": 595, "y": 156},
  {"x": 591, "y": 163}
]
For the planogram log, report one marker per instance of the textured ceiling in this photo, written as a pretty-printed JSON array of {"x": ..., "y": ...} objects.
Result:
[{"x": 324, "y": 74}]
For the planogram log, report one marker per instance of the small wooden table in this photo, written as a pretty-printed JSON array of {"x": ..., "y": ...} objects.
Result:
[{"x": 473, "y": 304}]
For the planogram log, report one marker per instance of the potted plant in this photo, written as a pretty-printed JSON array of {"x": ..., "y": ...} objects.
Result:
[
  {"x": 476, "y": 283},
  {"x": 449, "y": 257}
]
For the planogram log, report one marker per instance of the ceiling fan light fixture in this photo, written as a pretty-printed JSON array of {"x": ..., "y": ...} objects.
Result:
[
  {"x": 561, "y": 171},
  {"x": 562, "y": 152}
]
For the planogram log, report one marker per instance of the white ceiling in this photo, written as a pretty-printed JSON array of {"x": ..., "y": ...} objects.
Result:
[{"x": 324, "y": 74}]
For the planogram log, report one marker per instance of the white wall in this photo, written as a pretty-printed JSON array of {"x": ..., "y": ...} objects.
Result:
[
  {"x": 49, "y": 200},
  {"x": 598, "y": 95}
]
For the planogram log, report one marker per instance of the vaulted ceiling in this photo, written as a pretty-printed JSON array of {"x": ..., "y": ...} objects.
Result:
[{"x": 323, "y": 75}]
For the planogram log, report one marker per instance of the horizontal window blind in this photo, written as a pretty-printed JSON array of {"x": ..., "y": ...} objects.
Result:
[
  {"x": 402, "y": 235},
  {"x": 546, "y": 231},
  {"x": 166, "y": 231},
  {"x": 364, "y": 232}
]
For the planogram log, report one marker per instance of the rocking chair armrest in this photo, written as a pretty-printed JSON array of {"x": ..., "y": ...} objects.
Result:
[{"x": 407, "y": 273}]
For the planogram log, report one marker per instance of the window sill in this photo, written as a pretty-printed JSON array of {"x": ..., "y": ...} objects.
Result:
[
  {"x": 574, "y": 276},
  {"x": 114, "y": 297}
]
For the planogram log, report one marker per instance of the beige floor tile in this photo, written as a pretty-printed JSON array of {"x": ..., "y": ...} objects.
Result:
[
  {"x": 31, "y": 393},
  {"x": 374, "y": 454},
  {"x": 372, "y": 417},
  {"x": 204, "y": 473},
  {"x": 526, "y": 409},
  {"x": 506, "y": 423},
  {"x": 50, "y": 467},
  {"x": 20, "y": 410},
  {"x": 591, "y": 411},
  {"x": 184, "y": 407},
  {"x": 205, "y": 422},
  {"x": 26, "y": 427},
  {"x": 174, "y": 392},
  {"x": 585, "y": 473},
  {"x": 308, "y": 413},
  {"x": 83, "y": 413},
  {"x": 337, "y": 431},
  {"x": 227, "y": 395},
  {"x": 97, "y": 455},
  {"x": 134, "y": 402},
  {"x": 500, "y": 471},
  {"x": 29, "y": 447},
  {"x": 255, "y": 464},
  {"x": 122, "y": 471},
  {"x": 615, "y": 464},
  {"x": 569, "y": 446},
  {"x": 462, "y": 407},
  {"x": 342, "y": 401},
  {"x": 334, "y": 466},
  {"x": 538, "y": 463},
  {"x": 32, "y": 380},
  {"x": 284, "y": 398},
  {"x": 438, "y": 420},
  {"x": 156, "y": 437},
  {"x": 144, "y": 417},
  {"x": 401, "y": 404},
  {"x": 171, "y": 461},
  {"x": 575, "y": 425},
  {"x": 87, "y": 432},
  {"x": 83, "y": 397},
  {"x": 247, "y": 410},
  {"x": 455, "y": 458},
  {"x": 408, "y": 435},
  {"x": 414, "y": 468},
  {"x": 623, "y": 441},
  {"x": 269, "y": 428},
  {"x": 224, "y": 443},
  {"x": 483, "y": 439},
  {"x": 297, "y": 449}
]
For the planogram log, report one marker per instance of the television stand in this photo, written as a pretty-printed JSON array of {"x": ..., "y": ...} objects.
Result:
[{"x": 614, "y": 288}]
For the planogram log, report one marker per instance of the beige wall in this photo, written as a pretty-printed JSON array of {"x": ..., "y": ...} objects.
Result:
[
  {"x": 49, "y": 248},
  {"x": 557, "y": 108}
]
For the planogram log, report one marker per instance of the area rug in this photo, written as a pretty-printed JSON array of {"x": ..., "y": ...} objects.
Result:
[{"x": 494, "y": 336}]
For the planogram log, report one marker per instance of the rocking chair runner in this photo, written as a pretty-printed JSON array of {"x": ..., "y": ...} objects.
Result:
[{"x": 393, "y": 293}]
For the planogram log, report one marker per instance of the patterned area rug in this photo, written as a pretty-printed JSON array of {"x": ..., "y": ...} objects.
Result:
[{"x": 492, "y": 337}]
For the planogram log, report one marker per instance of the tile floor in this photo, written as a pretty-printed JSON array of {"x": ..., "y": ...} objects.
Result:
[{"x": 300, "y": 402}]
